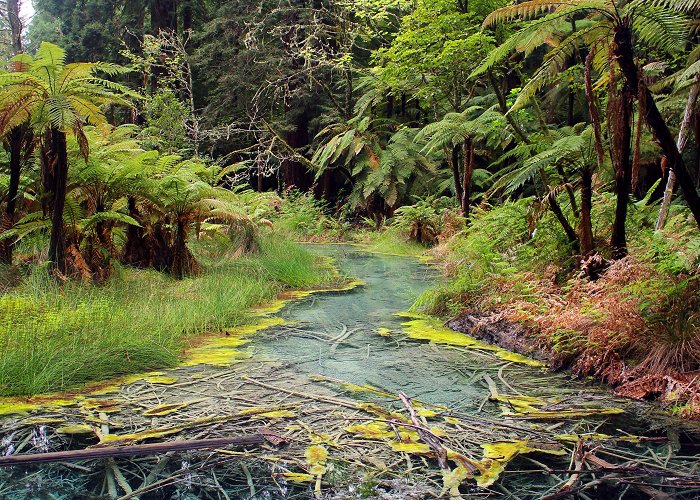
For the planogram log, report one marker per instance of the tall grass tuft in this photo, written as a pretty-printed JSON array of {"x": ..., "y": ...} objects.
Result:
[{"x": 57, "y": 338}]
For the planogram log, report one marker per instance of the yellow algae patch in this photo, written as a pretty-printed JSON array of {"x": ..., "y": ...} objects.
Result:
[
  {"x": 520, "y": 403},
  {"x": 101, "y": 406},
  {"x": 161, "y": 380},
  {"x": 17, "y": 408},
  {"x": 372, "y": 430},
  {"x": 424, "y": 412},
  {"x": 438, "y": 431},
  {"x": 297, "y": 477},
  {"x": 322, "y": 438},
  {"x": 167, "y": 409},
  {"x": 497, "y": 455},
  {"x": 222, "y": 350},
  {"x": 42, "y": 420},
  {"x": 276, "y": 414},
  {"x": 316, "y": 455},
  {"x": 260, "y": 412},
  {"x": 278, "y": 304},
  {"x": 22, "y": 406},
  {"x": 422, "y": 327},
  {"x": 400, "y": 447},
  {"x": 75, "y": 429},
  {"x": 102, "y": 391},
  {"x": 562, "y": 414},
  {"x": 384, "y": 332},
  {"x": 433, "y": 331},
  {"x": 575, "y": 438},
  {"x": 451, "y": 480},
  {"x": 158, "y": 432}
]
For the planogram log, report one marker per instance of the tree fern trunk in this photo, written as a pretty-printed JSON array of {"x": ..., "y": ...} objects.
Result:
[
  {"x": 619, "y": 112},
  {"x": 586, "y": 224},
  {"x": 57, "y": 244},
  {"x": 623, "y": 51},
  {"x": 453, "y": 160},
  {"x": 15, "y": 143},
  {"x": 681, "y": 143},
  {"x": 468, "y": 174}
]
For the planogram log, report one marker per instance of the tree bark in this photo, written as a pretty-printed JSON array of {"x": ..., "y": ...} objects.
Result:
[
  {"x": 15, "y": 25},
  {"x": 163, "y": 19},
  {"x": 15, "y": 146},
  {"x": 586, "y": 224},
  {"x": 623, "y": 51},
  {"x": 593, "y": 110},
  {"x": 454, "y": 165},
  {"x": 468, "y": 174},
  {"x": 681, "y": 143},
  {"x": 57, "y": 244},
  {"x": 619, "y": 120},
  {"x": 16, "y": 143},
  {"x": 619, "y": 112}
]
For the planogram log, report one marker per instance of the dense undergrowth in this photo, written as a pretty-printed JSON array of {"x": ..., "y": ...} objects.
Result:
[
  {"x": 54, "y": 338},
  {"x": 635, "y": 325}
]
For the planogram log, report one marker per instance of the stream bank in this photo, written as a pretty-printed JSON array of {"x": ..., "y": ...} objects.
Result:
[{"x": 357, "y": 398}]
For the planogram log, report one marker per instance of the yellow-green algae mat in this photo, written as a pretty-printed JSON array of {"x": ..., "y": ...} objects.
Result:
[{"x": 422, "y": 327}]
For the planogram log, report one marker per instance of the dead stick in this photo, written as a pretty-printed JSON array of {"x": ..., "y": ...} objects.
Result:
[
  {"x": 128, "y": 451},
  {"x": 426, "y": 435}
]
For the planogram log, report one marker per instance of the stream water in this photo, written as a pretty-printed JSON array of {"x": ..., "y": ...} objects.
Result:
[{"x": 325, "y": 373}]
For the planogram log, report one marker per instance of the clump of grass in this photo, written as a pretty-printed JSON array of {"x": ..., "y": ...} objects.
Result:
[
  {"x": 390, "y": 241},
  {"x": 58, "y": 338}
]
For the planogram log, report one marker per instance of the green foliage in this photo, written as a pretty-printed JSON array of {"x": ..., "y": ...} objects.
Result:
[
  {"x": 166, "y": 124},
  {"x": 426, "y": 219}
]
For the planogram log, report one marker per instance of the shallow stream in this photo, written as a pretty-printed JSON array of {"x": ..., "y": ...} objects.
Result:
[{"x": 322, "y": 375}]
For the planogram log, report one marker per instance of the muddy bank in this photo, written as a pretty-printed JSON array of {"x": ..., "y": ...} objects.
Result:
[
  {"x": 636, "y": 382},
  {"x": 497, "y": 330}
]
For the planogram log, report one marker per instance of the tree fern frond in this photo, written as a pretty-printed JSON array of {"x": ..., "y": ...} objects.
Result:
[
  {"x": 661, "y": 28},
  {"x": 554, "y": 64}
]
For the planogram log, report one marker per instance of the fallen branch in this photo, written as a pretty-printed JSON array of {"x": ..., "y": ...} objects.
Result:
[
  {"x": 427, "y": 436},
  {"x": 128, "y": 451}
]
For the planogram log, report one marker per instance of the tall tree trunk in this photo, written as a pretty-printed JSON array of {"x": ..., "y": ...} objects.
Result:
[
  {"x": 620, "y": 128},
  {"x": 163, "y": 19},
  {"x": 681, "y": 142},
  {"x": 15, "y": 25},
  {"x": 468, "y": 174},
  {"x": 57, "y": 244},
  {"x": 453, "y": 160},
  {"x": 15, "y": 141},
  {"x": 586, "y": 224},
  {"x": 15, "y": 145},
  {"x": 623, "y": 51},
  {"x": 619, "y": 113},
  {"x": 187, "y": 18}
]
